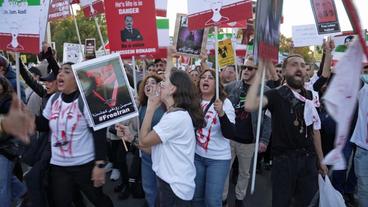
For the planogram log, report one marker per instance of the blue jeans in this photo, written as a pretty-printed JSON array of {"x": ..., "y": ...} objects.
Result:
[
  {"x": 210, "y": 180},
  {"x": 148, "y": 179},
  {"x": 342, "y": 183},
  {"x": 361, "y": 170},
  {"x": 11, "y": 189}
]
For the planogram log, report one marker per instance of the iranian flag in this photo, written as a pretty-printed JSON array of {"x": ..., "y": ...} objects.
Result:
[{"x": 163, "y": 38}]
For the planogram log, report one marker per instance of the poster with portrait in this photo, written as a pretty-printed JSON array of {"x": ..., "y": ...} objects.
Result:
[
  {"x": 325, "y": 16},
  {"x": 105, "y": 90},
  {"x": 225, "y": 53},
  {"x": 267, "y": 33},
  {"x": 23, "y": 25},
  {"x": 90, "y": 44},
  {"x": 92, "y": 7},
  {"x": 207, "y": 13},
  {"x": 188, "y": 42},
  {"x": 59, "y": 9},
  {"x": 131, "y": 27}
]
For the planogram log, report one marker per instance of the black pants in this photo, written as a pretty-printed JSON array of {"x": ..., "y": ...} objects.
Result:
[
  {"x": 118, "y": 157},
  {"x": 167, "y": 198},
  {"x": 65, "y": 180},
  {"x": 294, "y": 176}
]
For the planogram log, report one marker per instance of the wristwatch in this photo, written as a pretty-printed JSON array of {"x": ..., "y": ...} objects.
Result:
[{"x": 101, "y": 165}]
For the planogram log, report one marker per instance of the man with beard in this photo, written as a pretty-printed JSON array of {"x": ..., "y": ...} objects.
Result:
[{"x": 296, "y": 141}]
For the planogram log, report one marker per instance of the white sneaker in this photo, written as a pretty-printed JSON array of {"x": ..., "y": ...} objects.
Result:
[
  {"x": 115, "y": 175},
  {"x": 108, "y": 167}
]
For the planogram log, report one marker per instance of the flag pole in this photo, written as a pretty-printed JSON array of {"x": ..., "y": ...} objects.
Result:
[
  {"x": 17, "y": 74},
  {"x": 262, "y": 66},
  {"x": 100, "y": 34},
  {"x": 77, "y": 29},
  {"x": 216, "y": 63}
]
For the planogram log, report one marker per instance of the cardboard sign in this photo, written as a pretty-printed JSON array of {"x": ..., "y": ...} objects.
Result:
[
  {"x": 92, "y": 7},
  {"x": 90, "y": 45},
  {"x": 105, "y": 90},
  {"x": 225, "y": 53},
  {"x": 131, "y": 27},
  {"x": 23, "y": 58},
  {"x": 325, "y": 16},
  {"x": 161, "y": 8},
  {"x": 188, "y": 42},
  {"x": 207, "y": 13},
  {"x": 73, "y": 53},
  {"x": 267, "y": 34},
  {"x": 23, "y": 25},
  {"x": 342, "y": 43},
  {"x": 59, "y": 9},
  {"x": 306, "y": 35}
]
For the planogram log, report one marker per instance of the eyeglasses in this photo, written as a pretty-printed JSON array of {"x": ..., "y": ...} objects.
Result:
[
  {"x": 248, "y": 68},
  {"x": 159, "y": 65},
  {"x": 279, "y": 71}
]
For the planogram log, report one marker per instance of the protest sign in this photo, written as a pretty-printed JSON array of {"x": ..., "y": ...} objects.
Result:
[
  {"x": 105, "y": 90},
  {"x": 206, "y": 13},
  {"x": 72, "y": 53},
  {"x": 188, "y": 42},
  {"x": 342, "y": 43},
  {"x": 23, "y": 25},
  {"x": 59, "y": 9},
  {"x": 325, "y": 16},
  {"x": 306, "y": 35},
  {"x": 92, "y": 7},
  {"x": 23, "y": 58},
  {"x": 225, "y": 53},
  {"x": 161, "y": 8},
  {"x": 267, "y": 34},
  {"x": 131, "y": 27},
  {"x": 90, "y": 45}
]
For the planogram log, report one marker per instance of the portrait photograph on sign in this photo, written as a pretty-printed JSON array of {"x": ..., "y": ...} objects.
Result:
[
  {"x": 189, "y": 42},
  {"x": 131, "y": 27},
  {"x": 225, "y": 53},
  {"x": 105, "y": 90},
  {"x": 325, "y": 16},
  {"x": 90, "y": 45}
]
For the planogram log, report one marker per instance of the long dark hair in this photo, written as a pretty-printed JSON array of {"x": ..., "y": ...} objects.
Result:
[
  {"x": 141, "y": 95},
  {"x": 8, "y": 90},
  {"x": 187, "y": 97},
  {"x": 222, "y": 93}
]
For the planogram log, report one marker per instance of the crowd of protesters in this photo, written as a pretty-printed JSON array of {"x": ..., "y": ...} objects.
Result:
[{"x": 185, "y": 142}]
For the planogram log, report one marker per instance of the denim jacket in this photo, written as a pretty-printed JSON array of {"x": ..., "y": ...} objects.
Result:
[{"x": 233, "y": 90}]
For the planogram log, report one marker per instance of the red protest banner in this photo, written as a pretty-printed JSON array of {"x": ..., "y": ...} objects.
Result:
[
  {"x": 131, "y": 27},
  {"x": 213, "y": 12},
  {"x": 92, "y": 7},
  {"x": 325, "y": 16},
  {"x": 355, "y": 23},
  {"x": 267, "y": 34},
  {"x": 59, "y": 9}
]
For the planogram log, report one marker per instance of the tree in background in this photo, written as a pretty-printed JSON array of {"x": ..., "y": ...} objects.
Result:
[
  {"x": 64, "y": 31},
  {"x": 286, "y": 47}
]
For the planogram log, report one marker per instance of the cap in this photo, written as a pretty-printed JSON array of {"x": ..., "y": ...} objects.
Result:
[
  {"x": 49, "y": 77},
  {"x": 35, "y": 71}
]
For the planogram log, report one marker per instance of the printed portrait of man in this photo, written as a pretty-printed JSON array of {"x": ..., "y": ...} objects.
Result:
[{"x": 129, "y": 33}]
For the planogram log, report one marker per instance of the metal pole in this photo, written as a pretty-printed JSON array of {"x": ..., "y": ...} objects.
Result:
[
  {"x": 134, "y": 76},
  {"x": 216, "y": 63},
  {"x": 100, "y": 34},
  {"x": 258, "y": 129},
  {"x": 17, "y": 74},
  {"x": 77, "y": 29}
]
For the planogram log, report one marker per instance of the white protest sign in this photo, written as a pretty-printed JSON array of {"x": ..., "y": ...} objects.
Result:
[
  {"x": 72, "y": 53},
  {"x": 306, "y": 35}
]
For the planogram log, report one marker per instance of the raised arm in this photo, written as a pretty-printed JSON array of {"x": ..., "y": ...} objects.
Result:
[{"x": 253, "y": 99}]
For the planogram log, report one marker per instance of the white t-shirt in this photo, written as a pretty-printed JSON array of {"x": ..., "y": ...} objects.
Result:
[
  {"x": 70, "y": 132},
  {"x": 173, "y": 159},
  {"x": 210, "y": 141},
  {"x": 360, "y": 135}
]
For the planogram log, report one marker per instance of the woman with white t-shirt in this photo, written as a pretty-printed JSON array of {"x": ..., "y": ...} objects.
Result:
[
  {"x": 213, "y": 153},
  {"x": 172, "y": 140},
  {"x": 77, "y": 152}
]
